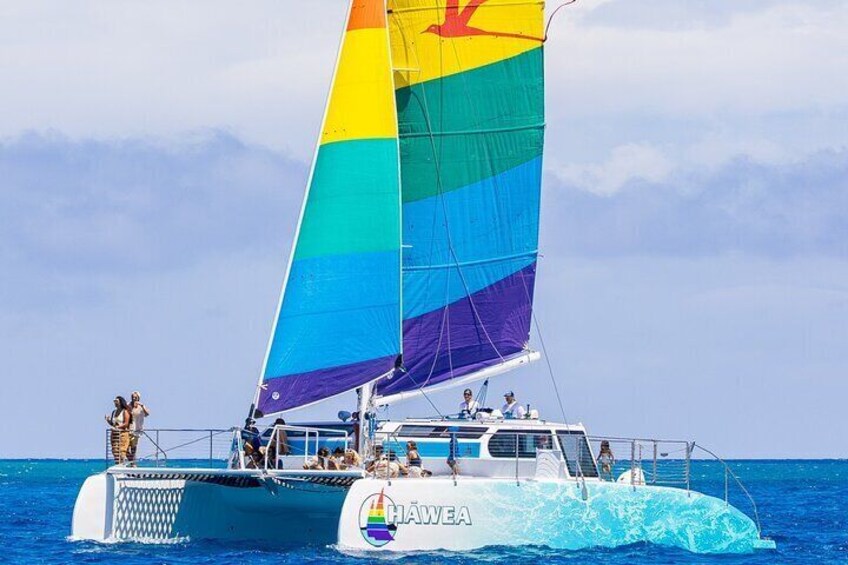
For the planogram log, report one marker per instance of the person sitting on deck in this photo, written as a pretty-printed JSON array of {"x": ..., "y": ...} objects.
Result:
[
  {"x": 371, "y": 464},
  {"x": 388, "y": 467},
  {"x": 338, "y": 458},
  {"x": 352, "y": 458},
  {"x": 278, "y": 445},
  {"x": 606, "y": 460},
  {"x": 251, "y": 443},
  {"x": 468, "y": 407},
  {"x": 414, "y": 465},
  {"x": 512, "y": 410},
  {"x": 321, "y": 462}
]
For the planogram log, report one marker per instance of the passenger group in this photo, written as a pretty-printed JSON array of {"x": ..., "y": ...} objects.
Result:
[{"x": 126, "y": 424}]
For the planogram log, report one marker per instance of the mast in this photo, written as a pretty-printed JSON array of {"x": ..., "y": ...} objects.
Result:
[{"x": 364, "y": 407}]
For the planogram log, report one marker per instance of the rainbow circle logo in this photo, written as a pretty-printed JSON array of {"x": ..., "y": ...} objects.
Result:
[{"x": 373, "y": 524}]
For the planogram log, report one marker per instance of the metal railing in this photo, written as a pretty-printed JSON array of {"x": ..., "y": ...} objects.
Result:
[
  {"x": 645, "y": 461},
  {"x": 730, "y": 474},
  {"x": 169, "y": 447},
  {"x": 635, "y": 461},
  {"x": 233, "y": 448},
  {"x": 295, "y": 446}
]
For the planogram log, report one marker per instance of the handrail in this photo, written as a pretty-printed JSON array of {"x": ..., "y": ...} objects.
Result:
[
  {"x": 154, "y": 436},
  {"x": 307, "y": 431},
  {"x": 728, "y": 470}
]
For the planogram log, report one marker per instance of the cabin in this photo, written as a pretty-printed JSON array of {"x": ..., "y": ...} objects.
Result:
[{"x": 492, "y": 448}]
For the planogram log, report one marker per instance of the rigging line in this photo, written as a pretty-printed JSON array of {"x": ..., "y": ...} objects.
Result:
[
  {"x": 432, "y": 366},
  {"x": 437, "y": 163},
  {"x": 551, "y": 17},
  {"x": 451, "y": 248},
  {"x": 544, "y": 351}
]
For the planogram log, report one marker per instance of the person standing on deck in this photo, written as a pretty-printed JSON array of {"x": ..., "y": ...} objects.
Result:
[
  {"x": 139, "y": 412},
  {"x": 468, "y": 407},
  {"x": 119, "y": 423},
  {"x": 512, "y": 410}
]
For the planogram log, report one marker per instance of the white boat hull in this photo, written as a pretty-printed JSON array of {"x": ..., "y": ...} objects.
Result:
[
  {"x": 418, "y": 514},
  {"x": 196, "y": 504},
  {"x": 435, "y": 513}
]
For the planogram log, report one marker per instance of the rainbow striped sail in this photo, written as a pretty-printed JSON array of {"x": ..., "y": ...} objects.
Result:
[
  {"x": 338, "y": 324},
  {"x": 470, "y": 98},
  {"x": 419, "y": 232}
]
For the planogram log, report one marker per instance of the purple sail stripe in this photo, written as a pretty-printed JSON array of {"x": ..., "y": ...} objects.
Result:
[
  {"x": 504, "y": 308},
  {"x": 285, "y": 393}
]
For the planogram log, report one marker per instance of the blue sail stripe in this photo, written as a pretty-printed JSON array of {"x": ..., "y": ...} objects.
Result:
[
  {"x": 489, "y": 254},
  {"x": 338, "y": 320}
]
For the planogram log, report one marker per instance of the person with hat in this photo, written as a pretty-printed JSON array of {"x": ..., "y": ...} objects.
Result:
[{"x": 512, "y": 409}]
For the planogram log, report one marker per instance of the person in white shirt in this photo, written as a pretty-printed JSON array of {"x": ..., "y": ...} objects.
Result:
[
  {"x": 469, "y": 406},
  {"x": 139, "y": 412},
  {"x": 512, "y": 409}
]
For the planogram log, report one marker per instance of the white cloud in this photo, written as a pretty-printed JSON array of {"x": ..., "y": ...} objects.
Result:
[
  {"x": 626, "y": 164},
  {"x": 785, "y": 57},
  {"x": 118, "y": 69}
]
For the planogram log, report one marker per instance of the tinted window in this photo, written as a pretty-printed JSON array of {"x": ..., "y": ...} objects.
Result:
[
  {"x": 462, "y": 432},
  {"x": 576, "y": 449},
  {"x": 508, "y": 443}
]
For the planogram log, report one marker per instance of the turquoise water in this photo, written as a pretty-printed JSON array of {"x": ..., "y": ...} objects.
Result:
[{"x": 803, "y": 507}]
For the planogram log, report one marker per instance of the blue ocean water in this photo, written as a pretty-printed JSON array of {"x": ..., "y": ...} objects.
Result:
[{"x": 803, "y": 506}]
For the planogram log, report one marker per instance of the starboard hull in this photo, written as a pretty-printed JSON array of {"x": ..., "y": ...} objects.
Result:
[{"x": 436, "y": 514}]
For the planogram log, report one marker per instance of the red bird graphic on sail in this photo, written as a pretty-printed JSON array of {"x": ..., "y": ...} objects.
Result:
[{"x": 456, "y": 23}]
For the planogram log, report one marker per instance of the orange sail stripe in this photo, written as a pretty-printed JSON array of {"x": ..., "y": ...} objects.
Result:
[{"x": 367, "y": 14}]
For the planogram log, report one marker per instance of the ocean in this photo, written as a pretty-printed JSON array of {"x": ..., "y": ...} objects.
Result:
[{"x": 803, "y": 506}]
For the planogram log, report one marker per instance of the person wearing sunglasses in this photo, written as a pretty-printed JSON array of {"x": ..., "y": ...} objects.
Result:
[{"x": 468, "y": 407}]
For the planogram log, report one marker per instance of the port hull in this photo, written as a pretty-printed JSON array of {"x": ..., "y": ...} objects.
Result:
[{"x": 209, "y": 504}]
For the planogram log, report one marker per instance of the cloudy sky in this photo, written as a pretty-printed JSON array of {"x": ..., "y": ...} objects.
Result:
[{"x": 694, "y": 282}]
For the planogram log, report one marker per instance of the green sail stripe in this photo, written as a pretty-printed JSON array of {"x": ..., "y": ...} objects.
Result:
[
  {"x": 463, "y": 128},
  {"x": 353, "y": 183}
]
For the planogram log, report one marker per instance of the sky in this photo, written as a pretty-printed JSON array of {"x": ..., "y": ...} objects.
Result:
[{"x": 694, "y": 274}]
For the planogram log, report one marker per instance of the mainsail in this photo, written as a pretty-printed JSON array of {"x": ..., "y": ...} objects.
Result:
[
  {"x": 470, "y": 99},
  {"x": 338, "y": 322}
]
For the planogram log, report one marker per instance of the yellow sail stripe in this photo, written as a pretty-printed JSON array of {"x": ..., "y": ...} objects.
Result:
[
  {"x": 426, "y": 46},
  {"x": 362, "y": 102}
]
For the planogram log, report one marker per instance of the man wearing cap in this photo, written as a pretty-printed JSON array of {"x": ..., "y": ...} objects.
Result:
[{"x": 512, "y": 409}]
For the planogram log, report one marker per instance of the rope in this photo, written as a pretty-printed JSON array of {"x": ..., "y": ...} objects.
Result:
[
  {"x": 551, "y": 17},
  {"x": 451, "y": 249},
  {"x": 544, "y": 350}
]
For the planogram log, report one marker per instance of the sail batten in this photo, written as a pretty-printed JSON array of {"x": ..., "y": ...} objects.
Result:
[{"x": 339, "y": 319}]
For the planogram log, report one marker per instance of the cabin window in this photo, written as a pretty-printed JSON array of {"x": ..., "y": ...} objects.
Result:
[
  {"x": 462, "y": 432},
  {"x": 575, "y": 448},
  {"x": 506, "y": 443}
]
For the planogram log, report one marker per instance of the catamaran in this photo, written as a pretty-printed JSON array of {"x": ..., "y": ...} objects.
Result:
[{"x": 413, "y": 270}]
